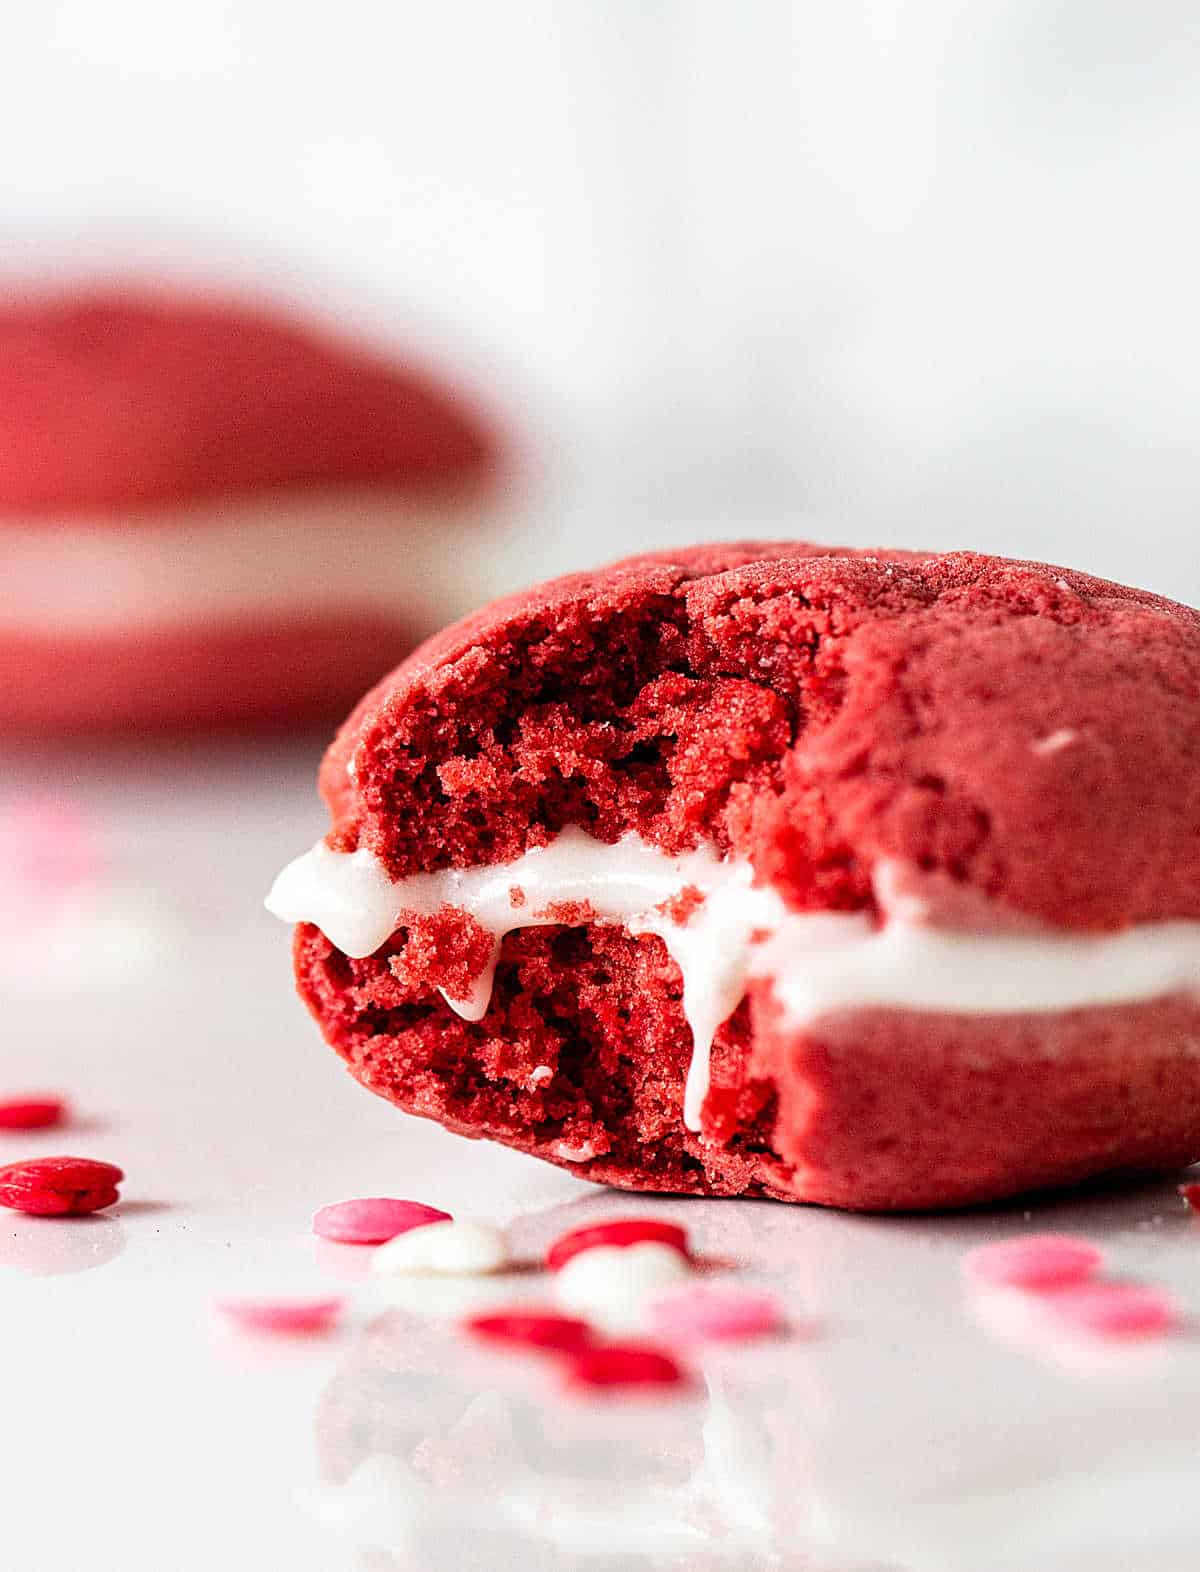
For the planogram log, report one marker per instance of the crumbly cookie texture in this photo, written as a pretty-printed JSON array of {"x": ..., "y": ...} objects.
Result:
[{"x": 1024, "y": 740}]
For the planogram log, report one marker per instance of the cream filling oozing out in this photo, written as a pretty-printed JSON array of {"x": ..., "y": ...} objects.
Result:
[
  {"x": 816, "y": 962},
  {"x": 234, "y": 558}
]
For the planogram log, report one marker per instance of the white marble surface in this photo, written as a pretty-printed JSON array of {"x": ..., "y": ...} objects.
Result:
[{"x": 895, "y": 1432}]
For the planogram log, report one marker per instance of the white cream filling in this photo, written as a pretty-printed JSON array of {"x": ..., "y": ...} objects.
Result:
[
  {"x": 817, "y": 963},
  {"x": 236, "y": 558}
]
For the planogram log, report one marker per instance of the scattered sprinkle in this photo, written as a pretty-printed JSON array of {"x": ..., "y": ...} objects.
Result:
[
  {"x": 1191, "y": 1194},
  {"x": 620, "y": 1233},
  {"x": 1036, "y": 1262},
  {"x": 281, "y": 1315},
  {"x": 449, "y": 1249},
  {"x": 544, "y": 1329},
  {"x": 714, "y": 1310},
  {"x": 450, "y": 1299},
  {"x": 373, "y": 1220},
  {"x": 613, "y": 1284},
  {"x": 31, "y": 1113},
  {"x": 1112, "y": 1309},
  {"x": 624, "y": 1365},
  {"x": 59, "y": 1186}
]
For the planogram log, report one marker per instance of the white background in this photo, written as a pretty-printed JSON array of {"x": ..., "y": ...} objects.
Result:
[{"x": 894, "y": 271}]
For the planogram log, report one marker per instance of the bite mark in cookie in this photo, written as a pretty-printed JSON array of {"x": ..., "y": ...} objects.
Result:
[
  {"x": 934, "y": 963},
  {"x": 817, "y": 963}
]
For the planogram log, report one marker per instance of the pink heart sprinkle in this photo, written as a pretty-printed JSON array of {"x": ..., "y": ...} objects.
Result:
[
  {"x": 1191, "y": 1194},
  {"x": 1113, "y": 1309},
  {"x": 1038, "y": 1262},
  {"x": 702, "y": 1310},
  {"x": 374, "y": 1220},
  {"x": 281, "y": 1315}
]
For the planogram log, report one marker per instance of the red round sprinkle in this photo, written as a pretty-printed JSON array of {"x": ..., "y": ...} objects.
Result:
[
  {"x": 1113, "y": 1309},
  {"x": 546, "y": 1329},
  {"x": 31, "y": 1113},
  {"x": 373, "y": 1220},
  {"x": 626, "y": 1231},
  {"x": 281, "y": 1315},
  {"x": 59, "y": 1186},
  {"x": 1036, "y": 1262},
  {"x": 624, "y": 1364},
  {"x": 1191, "y": 1194}
]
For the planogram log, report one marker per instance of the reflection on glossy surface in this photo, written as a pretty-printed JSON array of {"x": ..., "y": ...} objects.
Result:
[
  {"x": 53, "y": 1246},
  {"x": 103, "y": 934},
  {"x": 66, "y": 917},
  {"x": 348, "y": 1263},
  {"x": 910, "y": 1433},
  {"x": 1018, "y": 1321},
  {"x": 429, "y": 1446}
]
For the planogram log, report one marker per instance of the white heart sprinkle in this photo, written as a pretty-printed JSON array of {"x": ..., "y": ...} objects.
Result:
[{"x": 450, "y": 1249}]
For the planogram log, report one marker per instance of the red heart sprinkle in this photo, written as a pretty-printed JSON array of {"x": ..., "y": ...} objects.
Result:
[
  {"x": 624, "y": 1364},
  {"x": 31, "y": 1113},
  {"x": 623, "y": 1232},
  {"x": 544, "y": 1329}
]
